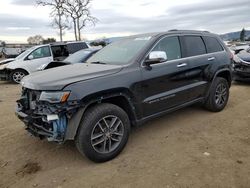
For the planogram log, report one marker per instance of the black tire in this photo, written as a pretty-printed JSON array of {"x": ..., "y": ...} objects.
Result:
[
  {"x": 212, "y": 102},
  {"x": 90, "y": 123},
  {"x": 17, "y": 75}
]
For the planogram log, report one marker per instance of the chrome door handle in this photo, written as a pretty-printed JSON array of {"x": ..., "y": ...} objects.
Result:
[
  {"x": 211, "y": 59},
  {"x": 182, "y": 65}
]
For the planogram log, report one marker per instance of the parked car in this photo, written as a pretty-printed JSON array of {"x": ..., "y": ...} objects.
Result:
[
  {"x": 78, "y": 57},
  {"x": 241, "y": 71},
  {"x": 30, "y": 60},
  {"x": 8, "y": 52},
  {"x": 125, "y": 84}
]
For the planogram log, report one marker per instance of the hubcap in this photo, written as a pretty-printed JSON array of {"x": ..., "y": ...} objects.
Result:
[
  {"x": 220, "y": 94},
  {"x": 107, "y": 134},
  {"x": 18, "y": 76}
]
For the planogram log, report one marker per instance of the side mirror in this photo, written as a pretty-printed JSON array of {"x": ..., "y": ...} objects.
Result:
[
  {"x": 156, "y": 57},
  {"x": 30, "y": 57}
]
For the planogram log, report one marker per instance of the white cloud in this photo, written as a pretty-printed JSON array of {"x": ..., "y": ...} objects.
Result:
[{"x": 22, "y": 18}]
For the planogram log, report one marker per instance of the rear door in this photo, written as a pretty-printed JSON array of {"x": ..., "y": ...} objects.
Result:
[
  {"x": 194, "y": 50},
  {"x": 165, "y": 85}
]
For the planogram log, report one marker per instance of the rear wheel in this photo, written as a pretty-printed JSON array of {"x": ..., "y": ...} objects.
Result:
[
  {"x": 17, "y": 75},
  {"x": 103, "y": 133},
  {"x": 218, "y": 96}
]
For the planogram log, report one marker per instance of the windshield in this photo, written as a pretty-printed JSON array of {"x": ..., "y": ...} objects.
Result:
[
  {"x": 25, "y": 53},
  {"x": 78, "y": 57},
  {"x": 120, "y": 52}
]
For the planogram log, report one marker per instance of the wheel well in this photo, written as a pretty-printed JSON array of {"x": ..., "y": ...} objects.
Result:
[
  {"x": 120, "y": 101},
  {"x": 21, "y": 70},
  {"x": 226, "y": 75}
]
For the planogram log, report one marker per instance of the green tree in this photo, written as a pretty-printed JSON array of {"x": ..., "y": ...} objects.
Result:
[{"x": 243, "y": 35}]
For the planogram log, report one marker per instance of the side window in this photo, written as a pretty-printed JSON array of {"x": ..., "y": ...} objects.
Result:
[
  {"x": 212, "y": 44},
  {"x": 41, "y": 52},
  {"x": 171, "y": 46},
  {"x": 74, "y": 47},
  {"x": 194, "y": 45}
]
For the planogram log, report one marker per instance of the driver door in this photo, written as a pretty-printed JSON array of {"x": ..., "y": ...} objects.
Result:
[
  {"x": 38, "y": 57},
  {"x": 164, "y": 84}
]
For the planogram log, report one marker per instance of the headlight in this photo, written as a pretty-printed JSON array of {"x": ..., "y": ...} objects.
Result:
[{"x": 54, "y": 97}]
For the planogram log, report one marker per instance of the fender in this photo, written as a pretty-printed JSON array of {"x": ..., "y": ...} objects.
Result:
[
  {"x": 74, "y": 122},
  {"x": 216, "y": 75}
]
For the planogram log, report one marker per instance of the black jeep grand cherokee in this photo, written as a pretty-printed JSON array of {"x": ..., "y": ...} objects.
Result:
[{"x": 126, "y": 83}]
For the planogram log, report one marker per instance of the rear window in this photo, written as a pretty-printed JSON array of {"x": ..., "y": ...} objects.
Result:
[
  {"x": 74, "y": 47},
  {"x": 212, "y": 44},
  {"x": 194, "y": 45}
]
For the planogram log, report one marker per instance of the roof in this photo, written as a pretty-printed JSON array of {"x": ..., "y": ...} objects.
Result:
[{"x": 174, "y": 31}]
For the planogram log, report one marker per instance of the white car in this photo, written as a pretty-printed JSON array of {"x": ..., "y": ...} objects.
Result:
[{"x": 33, "y": 58}]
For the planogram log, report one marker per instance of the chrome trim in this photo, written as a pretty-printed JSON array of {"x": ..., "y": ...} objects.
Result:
[{"x": 182, "y": 58}]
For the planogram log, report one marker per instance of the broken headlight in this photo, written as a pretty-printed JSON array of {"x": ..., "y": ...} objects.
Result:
[{"x": 54, "y": 97}]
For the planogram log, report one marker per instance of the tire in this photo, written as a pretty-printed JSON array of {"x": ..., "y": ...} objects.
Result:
[
  {"x": 218, "y": 95},
  {"x": 17, "y": 75},
  {"x": 94, "y": 129}
]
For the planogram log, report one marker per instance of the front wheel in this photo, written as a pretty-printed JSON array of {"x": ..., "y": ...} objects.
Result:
[
  {"x": 218, "y": 95},
  {"x": 103, "y": 133},
  {"x": 17, "y": 75}
]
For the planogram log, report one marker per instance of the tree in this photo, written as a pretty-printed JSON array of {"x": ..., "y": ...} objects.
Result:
[
  {"x": 37, "y": 39},
  {"x": 48, "y": 40},
  {"x": 242, "y": 35},
  {"x": 60, "y": 20},
  {"x": 78, "y": 11}
]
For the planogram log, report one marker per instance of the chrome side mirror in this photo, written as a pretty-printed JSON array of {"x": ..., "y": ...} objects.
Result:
[{"x": 156, "y": 57}]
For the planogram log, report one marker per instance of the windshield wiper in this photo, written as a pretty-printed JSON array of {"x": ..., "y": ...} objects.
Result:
[{"x": 98, "y": 62}]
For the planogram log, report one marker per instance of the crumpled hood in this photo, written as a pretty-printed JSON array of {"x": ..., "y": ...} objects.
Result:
[
  {"x": 245, "y": 56},
  {"x": 58, "y": 78},
  {"x": 5, "y": 61}
]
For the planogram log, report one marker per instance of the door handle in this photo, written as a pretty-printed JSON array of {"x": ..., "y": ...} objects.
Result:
[
  {"x": 211, "y": 58},
  {"x": 182, "y": 65}
]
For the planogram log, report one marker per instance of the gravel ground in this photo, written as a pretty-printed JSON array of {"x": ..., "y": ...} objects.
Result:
[{"x": 188, "y": 148}]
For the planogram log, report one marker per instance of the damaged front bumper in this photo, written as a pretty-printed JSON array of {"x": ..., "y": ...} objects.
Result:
[
  {"x": 55, "y": 122},
  {"x": 241, "y": 71}
]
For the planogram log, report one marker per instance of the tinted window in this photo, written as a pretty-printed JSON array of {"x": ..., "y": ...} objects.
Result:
[
  {"x": 74, "y": 47},
  {"x": 194, "y": 45},
  {"x": 212, "y": 44},
  {"x": 171, "y": 46},
  {"x": 41, "y": 52}
]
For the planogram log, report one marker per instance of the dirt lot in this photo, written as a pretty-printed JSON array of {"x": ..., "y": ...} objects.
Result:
[{"x": 188, "y": 148}]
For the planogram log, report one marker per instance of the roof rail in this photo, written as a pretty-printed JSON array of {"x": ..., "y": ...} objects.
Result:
[{"x": 173, "y": 30}]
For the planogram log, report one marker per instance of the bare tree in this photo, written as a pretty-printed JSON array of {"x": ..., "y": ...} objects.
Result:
[
  {"x": 37, "y": 39},
  {"x": 60, "y": 20},
  {"x": 85, "y": 19},
  {"x": 78, "y": 11}
]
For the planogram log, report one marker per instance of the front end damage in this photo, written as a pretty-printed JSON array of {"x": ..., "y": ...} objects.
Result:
[
  {"x": 241, "y": 69},
  {"x": 46, "y": 120}
]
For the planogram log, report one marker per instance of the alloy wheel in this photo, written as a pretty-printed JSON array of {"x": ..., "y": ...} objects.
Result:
[
  {"x": 107, "y": 134},
  {"x": 221, "y": 94}
]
